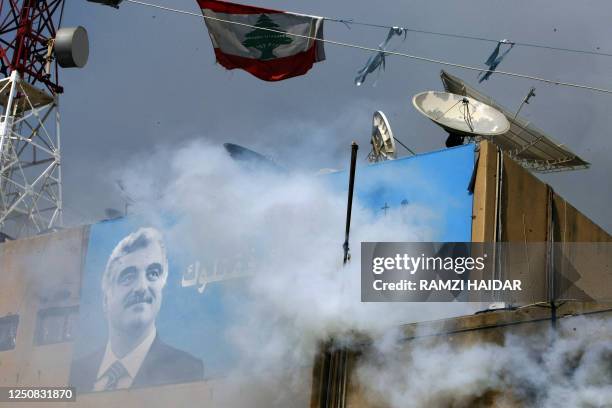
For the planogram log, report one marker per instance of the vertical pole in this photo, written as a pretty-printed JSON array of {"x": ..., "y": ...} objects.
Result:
[
  {"x": 550, "y": 259},
  {"x": 334, "y": 372},
  {"x": 340, "y": 357},
  {"x": 497, "y": 248},
  {"x": 349, "y": 205},
  {"x": 6, "y": 126},
  {"x": 58, "y": 159}
]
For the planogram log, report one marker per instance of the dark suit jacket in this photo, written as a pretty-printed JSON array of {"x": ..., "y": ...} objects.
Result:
[{"x": 163, "y": 364}]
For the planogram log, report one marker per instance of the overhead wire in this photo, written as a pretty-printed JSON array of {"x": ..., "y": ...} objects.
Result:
[
  {"x": 468, "y": 37},
  {"x": 372, "y": 49}
]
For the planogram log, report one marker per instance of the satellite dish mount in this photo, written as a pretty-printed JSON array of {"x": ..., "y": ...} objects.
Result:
[
  {"x": 461, "y": 116},
  {"x": 382, "y": 141}
]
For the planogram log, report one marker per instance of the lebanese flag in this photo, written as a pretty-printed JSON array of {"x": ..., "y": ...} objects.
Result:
[{"x": 268, "y": 55}]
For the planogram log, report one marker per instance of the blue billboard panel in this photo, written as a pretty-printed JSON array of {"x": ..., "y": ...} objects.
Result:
[
  {"x": 436, "y": 181},
  {"x": 148, "y": 316}
]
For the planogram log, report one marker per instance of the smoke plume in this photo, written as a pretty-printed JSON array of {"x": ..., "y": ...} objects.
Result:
[{"x": 302, "y": 295}]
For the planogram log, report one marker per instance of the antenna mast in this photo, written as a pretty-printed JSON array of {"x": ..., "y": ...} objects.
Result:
[{"x": 30, "y": 149}]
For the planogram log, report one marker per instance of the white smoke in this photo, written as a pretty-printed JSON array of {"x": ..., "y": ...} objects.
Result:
[
  {"x": 569, "y": 367},
  {"x": 302, "y": 295}
]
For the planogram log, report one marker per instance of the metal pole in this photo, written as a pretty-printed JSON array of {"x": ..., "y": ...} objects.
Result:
[
  {"x": 58, "y": 159},
  {"x": 340, "y": 357},
  {"x": 6, "y": 126},
  {"x": 349, "y": 206},
  {"x": 525, "y": 101},
  {"x": 550, "y": 259},
  {"x": 335, "y": 362}
]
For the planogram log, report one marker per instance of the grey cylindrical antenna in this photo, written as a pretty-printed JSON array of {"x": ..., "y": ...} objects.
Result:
[{"x": 71, "y": 47}]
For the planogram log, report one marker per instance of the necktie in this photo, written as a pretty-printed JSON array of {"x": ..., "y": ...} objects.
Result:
[{"x": 114, "y": 373}]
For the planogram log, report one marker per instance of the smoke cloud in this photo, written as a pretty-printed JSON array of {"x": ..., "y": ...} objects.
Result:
[
  {"x": 569, "y": 367},
  {"x": 302, "y": 295}
]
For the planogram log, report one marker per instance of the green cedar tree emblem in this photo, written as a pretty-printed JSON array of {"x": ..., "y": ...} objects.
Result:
[{"x": 266, "y": 41}]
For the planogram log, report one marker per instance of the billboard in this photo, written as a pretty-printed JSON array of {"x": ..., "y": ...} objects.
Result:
[{"x": 145, "y": 318}]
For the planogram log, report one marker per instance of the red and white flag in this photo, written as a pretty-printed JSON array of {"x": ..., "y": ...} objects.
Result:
[{"x": 269, "y": 55}]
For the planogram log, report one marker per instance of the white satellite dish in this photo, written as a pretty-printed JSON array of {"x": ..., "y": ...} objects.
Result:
[
  {"x": 461, "y": 116},
  {"x": 383, "y": 142}
]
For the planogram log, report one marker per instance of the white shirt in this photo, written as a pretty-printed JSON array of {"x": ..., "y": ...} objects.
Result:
[{"x": 131, "y": 361}]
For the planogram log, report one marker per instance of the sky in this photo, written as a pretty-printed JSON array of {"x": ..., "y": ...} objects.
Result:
[{"x": 151, "y": 85}]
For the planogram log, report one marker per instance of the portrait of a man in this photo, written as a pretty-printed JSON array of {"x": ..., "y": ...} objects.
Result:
[{"x": 132, "y": 291}]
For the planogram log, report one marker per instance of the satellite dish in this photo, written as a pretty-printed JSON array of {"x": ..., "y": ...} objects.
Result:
[
  {"x": 383, "y": 142},
  {"x": 248, "y": 156},
  {"x": 112, "y": 213},
  {"x": 461, "y": 116},
  {"x": 71, "y": 47},
  {"x": 111, "y": 3}
]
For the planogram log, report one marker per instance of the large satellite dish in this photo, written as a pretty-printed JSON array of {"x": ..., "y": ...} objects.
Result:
[
  {"x": 524, "y": 142},
  {"x": 461, "y": 116},
  {"x": 383, "y": 142}
]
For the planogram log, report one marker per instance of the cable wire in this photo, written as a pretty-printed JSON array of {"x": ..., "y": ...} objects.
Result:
[
  {"x": 468, "y": 37},
  {"x": 371, "y": 49}
]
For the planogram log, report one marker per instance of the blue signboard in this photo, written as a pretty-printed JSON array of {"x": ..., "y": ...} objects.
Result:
[
  {"x": 144, "y": 305},
  {"x": 436, "y": 181}
]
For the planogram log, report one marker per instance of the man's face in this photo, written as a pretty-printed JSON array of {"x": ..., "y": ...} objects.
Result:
[{"x": 135, "y": 292}]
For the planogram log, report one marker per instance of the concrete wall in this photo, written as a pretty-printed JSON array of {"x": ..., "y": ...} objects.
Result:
[
  {"x": 39, "y": 273},
  {"x": 512, "y": 205},
  {"x": 582, "y": 259}
]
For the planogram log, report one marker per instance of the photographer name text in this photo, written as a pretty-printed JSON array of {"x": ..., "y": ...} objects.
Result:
[{"x": 450, "y": 285}]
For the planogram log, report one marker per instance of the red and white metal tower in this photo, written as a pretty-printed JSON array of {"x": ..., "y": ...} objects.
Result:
[{"x": 31, "y": 47}]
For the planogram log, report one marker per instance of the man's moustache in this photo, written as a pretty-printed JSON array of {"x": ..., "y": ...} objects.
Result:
[{"x": 133, "y": 300}]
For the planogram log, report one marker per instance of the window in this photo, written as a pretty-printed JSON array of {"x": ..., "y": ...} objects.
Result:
[
  {"x": 56, "y": 325},
  {"x": 8, "y": 332}
]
